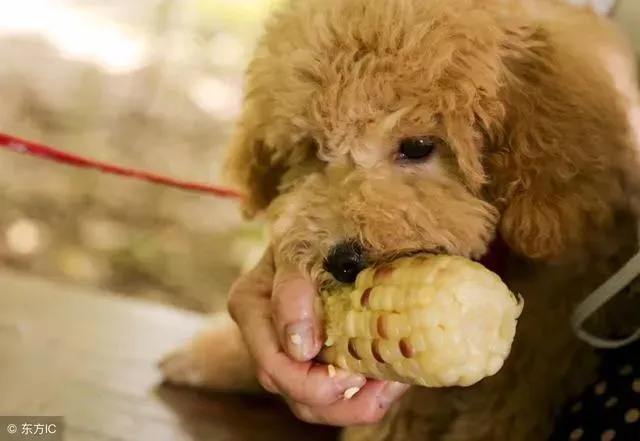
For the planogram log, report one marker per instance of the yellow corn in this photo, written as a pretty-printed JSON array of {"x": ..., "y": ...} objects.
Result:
[{"x": 429, "y": 320}]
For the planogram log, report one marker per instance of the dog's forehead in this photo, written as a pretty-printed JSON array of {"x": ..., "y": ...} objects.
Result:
[
  {"x": 358, "y": 70},
  {"x": 352, "y": 73},
  {"x": 369, "y": 106}
]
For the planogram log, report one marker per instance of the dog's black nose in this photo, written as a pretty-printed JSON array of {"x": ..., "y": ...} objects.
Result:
[{"x": 345, "y": 261}]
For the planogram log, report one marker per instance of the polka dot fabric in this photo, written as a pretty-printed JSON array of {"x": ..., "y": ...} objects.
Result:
[{"x": 609, "y": 410}]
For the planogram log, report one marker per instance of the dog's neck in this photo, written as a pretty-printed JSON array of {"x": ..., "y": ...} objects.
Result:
[
  {"x": 626, "y": 275},
  {"x": 496, "y": 258}
]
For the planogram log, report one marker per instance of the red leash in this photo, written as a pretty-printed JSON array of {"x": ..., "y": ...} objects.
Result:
[
  {"x": 494, "y": 259},
  {"x": 15, "y": 144}
]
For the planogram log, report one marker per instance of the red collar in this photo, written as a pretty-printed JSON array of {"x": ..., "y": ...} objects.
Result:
[{"x": 495, "y": 258}]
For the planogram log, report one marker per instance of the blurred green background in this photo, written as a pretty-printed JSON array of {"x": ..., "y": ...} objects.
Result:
[{"x": 150, "y": 84}]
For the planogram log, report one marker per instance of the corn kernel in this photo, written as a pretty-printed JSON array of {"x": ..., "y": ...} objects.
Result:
[{"x": 429, "y": 320}]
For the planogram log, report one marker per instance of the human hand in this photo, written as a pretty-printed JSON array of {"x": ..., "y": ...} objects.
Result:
[{"x": 274, "y": 309}]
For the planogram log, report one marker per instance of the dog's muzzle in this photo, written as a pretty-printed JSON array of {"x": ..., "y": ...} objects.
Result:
[{"x": 345, "y": 261}]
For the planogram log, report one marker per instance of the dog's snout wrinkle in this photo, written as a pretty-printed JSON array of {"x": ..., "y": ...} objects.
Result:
[{"x": 345, "y": 261}]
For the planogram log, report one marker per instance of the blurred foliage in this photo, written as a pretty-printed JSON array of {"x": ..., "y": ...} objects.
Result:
[
  {"x": 237, "y": 13},
  {"x": 151, "y": 84}
]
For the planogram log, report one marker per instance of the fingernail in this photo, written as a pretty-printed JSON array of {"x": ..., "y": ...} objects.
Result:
[
  {"x": 299, "y": 339},
  {"x": 391, "y": 392},
  {"x": 267, "y": 383},
  {"x": 350, "y": 384},
  {"x": 317, "y": 306},
  {"x": 349, "y": 393}
]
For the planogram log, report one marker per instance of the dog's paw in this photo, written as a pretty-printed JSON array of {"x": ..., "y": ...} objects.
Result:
[
  {"x": 215, "y": 358},
  {"x": 182, "y": 367}
]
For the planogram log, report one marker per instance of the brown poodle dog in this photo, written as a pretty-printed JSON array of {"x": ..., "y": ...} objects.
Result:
[{"x": 378, "y": 128}]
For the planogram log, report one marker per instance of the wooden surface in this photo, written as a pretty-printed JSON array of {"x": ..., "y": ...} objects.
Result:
[{"x": 91, "y": 357}]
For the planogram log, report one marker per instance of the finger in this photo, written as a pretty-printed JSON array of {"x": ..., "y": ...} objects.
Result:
[
  {"x": 368, "y": 406},
  {"x": 267, "y": 382},
  {"x": 251, "y": 289},
  {"x": 303, "y": 382},
  {"x": 251, "y": 308},
  {"x": 295, "y": 316}
]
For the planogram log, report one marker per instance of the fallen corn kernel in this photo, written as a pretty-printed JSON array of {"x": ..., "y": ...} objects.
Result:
[
  {"x": 328, "y": 342},
  {"x": 349, "y": 393},
  {"x": 331, "y": 369},
  {"x": 429, "y": 320}
]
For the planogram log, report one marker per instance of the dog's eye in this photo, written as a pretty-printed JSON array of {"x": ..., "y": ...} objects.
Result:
[{"x": 417, "y": 149}]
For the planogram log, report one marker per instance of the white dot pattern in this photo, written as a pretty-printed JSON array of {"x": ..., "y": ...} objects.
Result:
[
  {"x": 608, "y": 435},
  {"x": 600, "y": 388},
  {"x": 611, "y": 402},
  {"x": 632, "y": 416},
  {"x": 576, "y": 434},
  {"x": 625, "y": 370},
  {"x": 609, "y": 409}
]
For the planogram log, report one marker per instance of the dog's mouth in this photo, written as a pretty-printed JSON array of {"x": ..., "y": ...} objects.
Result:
[
  {"x": 346, "y": 273},
  {"x": 494, "y": 259},
  {"x": 388, "y": 257},
  {"x": 347, "y": 261}
]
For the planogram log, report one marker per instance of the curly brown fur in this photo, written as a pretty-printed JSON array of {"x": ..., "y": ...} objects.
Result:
[{"x": 534, "y": 101}]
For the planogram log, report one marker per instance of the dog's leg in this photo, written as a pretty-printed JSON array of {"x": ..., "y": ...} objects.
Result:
[{"x": 216, "y": 358}]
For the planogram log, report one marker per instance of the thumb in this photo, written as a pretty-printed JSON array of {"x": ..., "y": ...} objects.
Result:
[{"x": 295, "y": 316}]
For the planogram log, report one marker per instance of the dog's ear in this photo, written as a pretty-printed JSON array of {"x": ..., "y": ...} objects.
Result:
[
  {"x": 556, "y": 161},
  {"x": 254, "y": 166}
]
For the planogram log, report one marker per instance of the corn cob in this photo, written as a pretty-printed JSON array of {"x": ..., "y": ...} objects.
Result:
[{"x": 428, "y": 320}]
